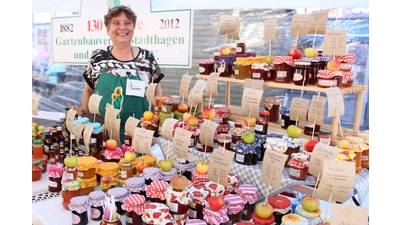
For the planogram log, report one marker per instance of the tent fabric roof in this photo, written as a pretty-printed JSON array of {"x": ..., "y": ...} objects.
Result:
[{"x": 54, "y": 6}]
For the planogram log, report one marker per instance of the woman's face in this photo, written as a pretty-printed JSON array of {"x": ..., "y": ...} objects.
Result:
[{"x": 121, "y": 29}]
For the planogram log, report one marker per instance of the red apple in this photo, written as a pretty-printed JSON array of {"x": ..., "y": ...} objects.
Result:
[
  {"x": 309, "y": 145},
  {"x": 183, "y": 108},
  {"x": 225, "y": 51},
  {"x": 333, "y": 65},
  {"x": 295, "y": 53},
  {"x": 178, "y": 182},
  {"x": 202, "y": 167},
  {"x": 141, "y": 166},
  {"x": 208, "y": 113},
  {"x": 111, "y": 144},
  {"x": 186, "y": 116},
  {"x": 193, "y": 121},
  {"x": 310, "y": 203},
  {"x": 216, "y": 202},
  {"x": 264, "y": 210},
  {"x": 233, "y": 50}
]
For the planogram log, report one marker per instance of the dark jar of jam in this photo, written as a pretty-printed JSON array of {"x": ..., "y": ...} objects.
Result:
[
  {"x": 314, "y": 67},
  {"x": 272, "y": 105},
  {"x": 78, "y": 207},
  {"x": 283, "y": 72},
  {"x": 206, "y": 67},
  {"x": 96, "y": 199},
  {"x": 240, "y": 48},
  {"x": 196, "y": 212},
  {"x": 261, "y": 126},
  {"x": 259, "y": 71},
  {"x": 202, "y": 147},
  {"x": 133, "y": 219},
  {"x": 177, "y": 201},
  {"x": 247, "y": 159},
  {"x": 309, "y": 127},
  {"x": 302, "y": 73}
]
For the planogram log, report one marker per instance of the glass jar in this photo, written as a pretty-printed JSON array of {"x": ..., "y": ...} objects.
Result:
[
  {"x": 196, "y": 211},
  {"x": 293, "y": 146},
  {"x": 177, "y": 201},
  {"x": 96, "y": 199},
  {"x": 37, "y": 146},
  {"x": 206, "y": 67},
  {"x": 207, "y": 103},
  {"x": 202, "y": 147},
  {"x": 93, "y": 150},
  {"x": 301, "y": 74},
  {"x": 297, "y": 171},
  {"x": 271, "y": 73},
  {"x": 36, "y": 170},
  {"x": 134, "y": 206},
  {"x": 246, "y": 159},
  {"x": 242, "y": 68},
  {"x": 126, "y": 170},
  {"x": 272, "y": 105},
  {"x": 251, "y": 195},
  {"x": 163, "y": 116},
  {"x": 98, "y": 134},
  {"x": 117, "y": 221},
  {"x": 240, "y": 48},
  {"x": 166, "y": 107},
  {"x": 348, "y": 78},
  {"x": 54, "y": 174},
  {"x": 365, "y": 159},
  {"x": 327, "y": 79},
  {"x": 120, "y": 194},
  {"x": 79, "y": 207},
  {"x": 224, "y": 140},
  {"x": 225, "y": 65},
  {"x": 309, "y": 127},
  {"x": 314, "y": 66},
  {"x": 324, "y": 136},
  {"x": 259, "y": 71},
  {"x": 261, "y": 126},
  {"x": 176, "y": 101},
  {"x": 283, "y": 71},
  {"x": 70, "y": 189},
  {"x": 281, "y": 206},
  {"x": 358, "y": 160}
]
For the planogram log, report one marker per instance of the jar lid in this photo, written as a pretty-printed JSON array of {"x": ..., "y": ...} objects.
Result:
[
  {"x": 37, "y": 142},
  {"x": 68, "y": 185},
  {"x": 167, "y": 103},
  {"x": 86, "y": 163},
  {"x": 60, "y": 122},
  {"x": 126, "y": 163},
  {"x": 264, "y": 113},
  {"x": 175, "y": 97},
  {"x": 302, "y": 63},
  {"x": 279, "y": 202},
  {"x": 324, "y": 132}
]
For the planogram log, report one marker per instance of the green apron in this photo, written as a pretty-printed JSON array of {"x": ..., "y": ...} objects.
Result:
[{"x": 107, "y": 85}]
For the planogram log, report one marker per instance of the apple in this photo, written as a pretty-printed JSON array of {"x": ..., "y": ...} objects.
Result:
[
  {"x": 208, "y": 113},
  {"x": 216, "y": 202},
  {"x": 193, "y": 121},
  {"x": 293, "y": 131},
  {"x": 148, "y": 115},
  {"x": 343, "y": 143},
  {"x": 248, "y": 137},
  {"x": 309, "y": 145},
  {"x": 310, "y": 203},
  {"x": 183, "y": 108},
  {"x": 310, "y": 52},
  {"x": 333, "y": 65},
  {"x": 111, "y": 144},
  {"x": 269, "y": 59},
  {"x": 130, "y": 156},
  {"x": 165, "y": 165},
  {"x": 35, "y": 125},
  {"x": 264, "y": 210},
  {"x": 178, "y": 182},
  {"x": 141, "y": 166},
  {"x": 295, "y": 53},
  {"x": 233, "y": 50},
  {"x": 202, "y": 167},
  {"x": 251, "y": 122},
  {"x": 186, "y": 116},
  {"x": 225, "y": 51},
  {"x": 71, "y": 161}
]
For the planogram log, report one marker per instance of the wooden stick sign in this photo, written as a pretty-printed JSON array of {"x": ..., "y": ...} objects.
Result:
[
  {"x": 349, "y": 215},
  {"x": 180, "y": 144},
  {"x": 321, "y": 153},
  {"x": 150, "y": 93},
  {"x": 211, "y": 84},
  {"x": 94, "y": 102},
  {"x": 272, "y": 168},
  {"x": 220, "y": 165},
  {"x": 141, "y": 140},
  {"x": 184, "y": 87},
  {"x": 251, "y": 101}
]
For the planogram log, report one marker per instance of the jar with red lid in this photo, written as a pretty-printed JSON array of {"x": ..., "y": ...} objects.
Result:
[
  {"x": 156, "y": 213},
  {"x": 202, "y": 147},
  {"x": 271, "y": 73},
  {"x": 155, "y": 192},
  {"x": 298, "y": 164},
  {"x": 54, "y": 174},
  {"x": 206, "y": 67},
  {"x": 37, "y": 165},
  {"x": 328, "y": 78},
  {"x": 259, "y": 71},
  {"x": 70, "y": 189},
  {"x": 240, "y": 48},
  {"x": 348, "y": 78},
  {"x": 272, "y": 105},
  {"x": 281, "y": 205},
  {"x": 134, "y": 207},
  {"x": 235, "y": 133},
  {"x": 224, "y": 140},
  {"x": 261, "y": 126},
  {"x": 324, "y": 136},
  {"x": 346, "y": 61},
  {"x": 177, "y": 200},
  {"x": 251, "y": 195},
  {"x": 283, "y": 67},
  {"x": 301, "y": 74},
  {"x": 234, "y": 204}
]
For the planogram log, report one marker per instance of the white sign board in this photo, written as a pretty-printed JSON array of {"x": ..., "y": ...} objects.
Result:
[{"x": 167, "y": 34}]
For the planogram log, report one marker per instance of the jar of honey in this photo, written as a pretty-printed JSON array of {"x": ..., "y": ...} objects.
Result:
[
  {"x": 37, "y": 146},
  {"x": 242, "y": 68}
]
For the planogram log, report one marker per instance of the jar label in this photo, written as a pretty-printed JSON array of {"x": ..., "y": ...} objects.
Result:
[
  {"x": 192, "y": 214},
  {"x": 327, "y": 83},
  {"x": 164, "y": 109},
  {"x": 124, "y": 174},
  {"x": 69, "y": 176},
  {"x": 236, "y": 72},
  {"x": 324, "y": 140},
  {"x": 256, "y": 75},
  {"x": 233, "y": 145},
  {"x": 126, "y": 141},
  {"x": 294, "y": 172},
  {"x": 259, "y": 127},
  {"x": 217, "y": 119},
  {"x": 75, "y": 219},
  {"x": 172, "y": 206},
  {"x": 191, "y": 142},
  {"x": 46, "y": 148},
  {"x": 297, "y": 77},
  {"x": 80, "y": 174},
  {"x": 128, "y": 219},
  {"x": 282, "y": 123},
  {"x": 365, "y": 158},
  {"x": 95, "y": 213},
  {"x": 199, "y": 145},
  {"x": 202, "y": 69},
  {"x": 281, "y": 74},
  {"x": 239, "y": 49},
  {"x": 239, "y": 158},
  {"x": 52, "y": 184}
]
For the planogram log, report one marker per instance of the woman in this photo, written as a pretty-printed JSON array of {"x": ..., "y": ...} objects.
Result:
[{"x": 120, "y": 72}]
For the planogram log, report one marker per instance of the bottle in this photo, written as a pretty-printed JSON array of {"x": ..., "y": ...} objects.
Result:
[
  {"x": 52, "y": 155},
  {"x": 104, "y": 138},
  {"x": 56, "y": 152},
  {"x": 76, "y": 151},
  {"x": 47, "y": 143},
  {"x": 93, "y": 151},
  {"x": 62, "y": 156},
  {"x": 73, "y": 142},
  {"x": 54, "y": 135},
  {"x": 59, "y": 129}
]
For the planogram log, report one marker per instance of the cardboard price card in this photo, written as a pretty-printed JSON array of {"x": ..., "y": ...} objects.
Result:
[
  {"x": 318, "y": 22},
  {"x": 298, "y": 109},
  {"x": 316, "y": 111},
  {"x": 115, "y": 128},
  {"x": 227, "y": 24},
  {"x": 207, "y": 131},
  {"x": 270, "y": 30},
  {"x": 87, "y": 133},
  {"x": 180, "y": 143},
  {"x": 141, "y": 140},
  {"x": 251, "y": 101},
  {"x": 130, "y": 125},
  {"x": 337, "y": 180},
  {"x": 69, "y": 121},
  {"x": 184, "y": 87},
  {"x": 211, "y": 84},
  {"x": 220, "y": 165},
  {"x": 335, "y": 102},
  {"x": 334, "y": 42},
  {"x": 110, "y": 117},
  {"x": 77, "y": 131},
  {"x": 253, "y": 84},
  {"x": 298, "y": 26},
  {"x": 198, "y": 90},
  {"x": 321, "y": 153},
  {"x": 272, "y": 168},
  {"x": 167, "y": 128},
  {"x": 94, "y": 102},
  {"x": 150, "y": 93},
  {"x": 349, "y": 215}
]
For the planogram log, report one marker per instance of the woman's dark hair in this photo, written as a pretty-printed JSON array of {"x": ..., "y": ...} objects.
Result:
[{"x": 116, "y": 11}]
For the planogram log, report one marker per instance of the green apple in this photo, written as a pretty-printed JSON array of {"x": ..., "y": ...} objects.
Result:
[
  {"x": 248, "y": 137},
  {"x": 343, "y": 143},
  {"x": 310, "y": 203},
  {"x": 71, "y": 161},
  {"x": 264, "y": 210},
  {"x": 269, "y": 59},
  {"x": 310, "y": 52},
  {"x": 165, "y": 165},
  {"x": 293, "y": 131}
]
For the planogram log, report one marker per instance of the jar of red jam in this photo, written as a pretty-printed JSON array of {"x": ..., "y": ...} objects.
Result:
[
  {"x": 348, "y": 78},
  {"x": 283, "y": 67},
  {"x": 225, "y": 65},
  {"x": 298, "y": 164},
  {"x": 259, "y": 71},
  {"x": 54, "y": 174},
  {"x": 272, "y": 105},
  {"x": 177, "y": 200},
  {"x": 156, "y": 213},
  {"x": 234, "y": 204},
  {"x": 224, "y": 140},
  {"x": 251, "y": 195},
  {"x": 246, "y": 153},
  {"x": 36, "y": 169},
  {"x": 293, "y": 146},
  {"x": 236, "y": 133},
  {"x": 155, "y": 192},
  {"x": 202, "y": 147},
  {"x": 134, "y": 207},
  {"x": 327, "y": 78},
  {"x": 301, "y": 74},
  {"x": 309, "y": 127},
  {"x": 70, "y": 189},
  {"x": 314, "y": 67},
  {"x": 206, "y": 67},
  {"x": 324, "y": 136},
  {"x": 120, "y": 194},
  {"x": 240, "y": 48},
  {"x": 261, "y": 126}
]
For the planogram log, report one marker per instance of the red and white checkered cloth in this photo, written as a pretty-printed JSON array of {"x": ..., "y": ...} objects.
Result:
[
  {"x": 284, "y": 59},
  {"x": 134, "y": 202},
  {"x": 348, "y": 58},
  {"x": 157, "y": 189},
  {"x": 328, "y": 74}
]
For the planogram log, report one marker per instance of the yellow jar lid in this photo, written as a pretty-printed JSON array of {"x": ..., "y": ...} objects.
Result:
[
  {"x": 86, "y": 163},
  {"x": 108, "y": 169},
  {"x": 90, "y": 182},
  {"x": 149, "y": 159}
]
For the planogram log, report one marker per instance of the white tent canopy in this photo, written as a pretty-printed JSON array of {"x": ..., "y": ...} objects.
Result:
[{"x": 46, "y": 6}]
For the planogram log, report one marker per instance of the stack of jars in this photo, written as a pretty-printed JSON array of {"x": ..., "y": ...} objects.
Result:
[
  {"x": 346, "y": 63},
  {"x": 87, "y": 166}
]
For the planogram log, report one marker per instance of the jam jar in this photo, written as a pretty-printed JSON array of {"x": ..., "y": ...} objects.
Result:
[
  {"x": 327, "y": 78},
  {"x": 79, "y": 206},
  {"x": 272, "y": 105},
  {"x": 134, "y": 207},
  {"x": 234, "y": 204},
  {"x": 283, "y": 67},
  {"x": 37, "y": 146},
  {"x": 261, "y": 126},
  {"x": 281, "y": 205},
  {"x": 309, "y": 127},
  {"x": 206, "y": 67},
  {"x": 324, "y": 136},
  {"x": 225, "y": 65},
  {"x": 242, "y": 68},
  {"x": 348, "y": 78},
  {"x": 298, "y": 164},
  {"x": 177, "y": 200},
  {"x": 176, "y": 101},
  {"x": 224, "y": 140},
  {"x": 271, "y": 73},
  {"x": 251, "y": 195},
  {"x": 240, "y": 48},
  {"x": 96, "y": 199},
  {"x": 36, "y": 169},
  {"x": 293, "y": 146},
  {"x": 98, "y": 134},
  {"x": 197, "y": 201},
  {"x": 120, "y": 194},
  {"x": 54, "y": 174},
  {"x": 314, "y": 67},
  {"x": 202, "y": 147},
  {"x": 301, "y": 74},
  {"x": 235, "y": 133},
  {"x": 259, "y": 71},
  {"x": 246, "y": 154},
  {"x": 70, "y": 189}
]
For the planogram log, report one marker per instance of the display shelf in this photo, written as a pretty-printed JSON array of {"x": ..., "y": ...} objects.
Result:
[{"x": 237, "y": 115}]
